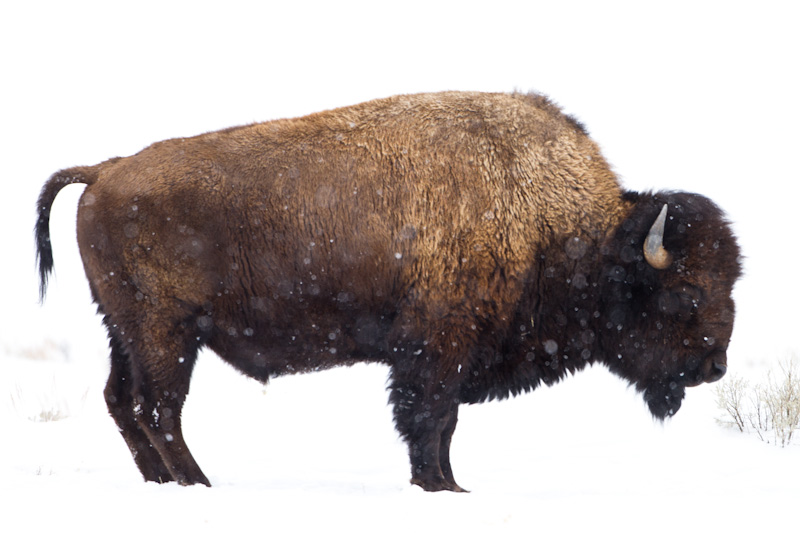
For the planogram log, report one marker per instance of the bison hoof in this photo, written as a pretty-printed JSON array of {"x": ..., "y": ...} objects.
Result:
[
  {"x": 198, "y": 479},
  {"x": 436, "y": 485}
]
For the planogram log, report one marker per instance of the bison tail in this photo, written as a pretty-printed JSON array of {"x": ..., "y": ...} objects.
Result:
[{"x": 44, "y": 251}]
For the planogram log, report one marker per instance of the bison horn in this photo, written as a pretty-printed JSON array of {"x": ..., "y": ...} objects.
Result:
[{"x": 654, "y": 251}]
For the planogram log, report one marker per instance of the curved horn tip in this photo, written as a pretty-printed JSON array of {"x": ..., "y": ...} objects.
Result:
[
  {"x": 654, "y": 252},
  {"x": 662, "y": 215}
]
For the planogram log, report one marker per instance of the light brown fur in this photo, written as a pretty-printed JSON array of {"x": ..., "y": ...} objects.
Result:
[{"x": 436, "y": 233}]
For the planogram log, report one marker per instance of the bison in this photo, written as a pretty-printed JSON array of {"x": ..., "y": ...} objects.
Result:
[{"x": 477, "y": 244}]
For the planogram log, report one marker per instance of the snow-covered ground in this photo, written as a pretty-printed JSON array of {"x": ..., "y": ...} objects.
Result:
[
  {"x": 699, "y": 96},
  {"x": 319, "y": 450}
]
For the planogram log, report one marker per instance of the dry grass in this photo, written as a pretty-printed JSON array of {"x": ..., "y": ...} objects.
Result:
[
  {"x": 34, "y": 394},
  {"x": 49, "y": 406}
]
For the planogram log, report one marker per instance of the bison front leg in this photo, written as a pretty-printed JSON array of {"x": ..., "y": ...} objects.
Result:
[
  {"x": 426, "y": 420},
  {"x": 444, "y": 448}
]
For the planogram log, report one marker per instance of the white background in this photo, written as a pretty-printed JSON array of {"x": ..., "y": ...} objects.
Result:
[{"x": 701, "y": 96}]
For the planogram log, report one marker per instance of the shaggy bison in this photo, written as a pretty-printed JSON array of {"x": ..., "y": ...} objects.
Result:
[{"x": 477, "y": 244}]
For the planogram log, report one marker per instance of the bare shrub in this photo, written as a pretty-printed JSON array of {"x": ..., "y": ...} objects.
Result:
[
  {"x": 782, "y": 399},
  {"x": 731, "y": 396},
  {"x": 770, "y": 409}
]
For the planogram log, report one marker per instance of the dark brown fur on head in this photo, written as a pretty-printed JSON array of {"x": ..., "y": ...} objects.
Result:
[
  {"x": 668, "y": 329},
  {"x": 601, "y": 302}
]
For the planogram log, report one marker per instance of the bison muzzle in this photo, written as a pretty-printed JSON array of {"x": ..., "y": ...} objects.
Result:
[{"x": 477, "y": 244}]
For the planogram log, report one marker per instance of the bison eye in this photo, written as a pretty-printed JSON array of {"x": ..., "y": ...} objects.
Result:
[{"x": 681, "y": 302}]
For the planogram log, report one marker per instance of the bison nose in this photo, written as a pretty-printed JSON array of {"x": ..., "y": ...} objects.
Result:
[{"x": 716, "y": 373}]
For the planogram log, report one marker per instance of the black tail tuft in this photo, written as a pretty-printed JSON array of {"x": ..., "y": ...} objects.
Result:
[{"x": 44, "y": 250}]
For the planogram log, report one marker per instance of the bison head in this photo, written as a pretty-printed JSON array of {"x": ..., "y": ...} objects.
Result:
[{"x": 669, "y": 270}]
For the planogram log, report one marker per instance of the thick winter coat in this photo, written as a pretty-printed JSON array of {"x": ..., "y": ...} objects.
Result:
[{"x": 477, "y": 244}]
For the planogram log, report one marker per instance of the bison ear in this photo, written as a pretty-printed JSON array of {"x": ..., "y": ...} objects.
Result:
[{"x": 654, "y": 252}]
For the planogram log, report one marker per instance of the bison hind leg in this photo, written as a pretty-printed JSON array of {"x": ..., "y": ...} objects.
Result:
[
  {"x": 119, "y": 399},
  {"x": 152, "y": 362}
]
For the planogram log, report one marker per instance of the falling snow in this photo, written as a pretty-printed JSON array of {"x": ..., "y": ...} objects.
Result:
[{"x": 308, "y": 452}]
